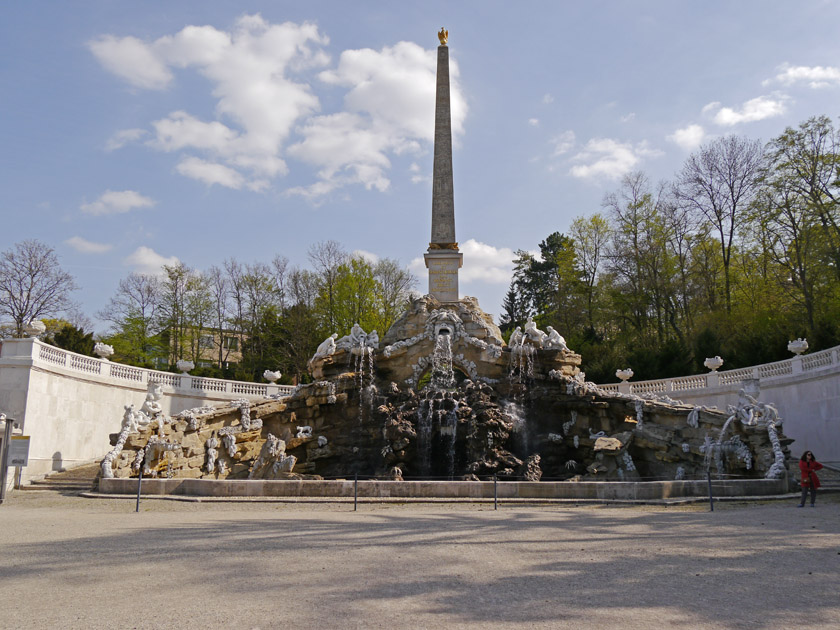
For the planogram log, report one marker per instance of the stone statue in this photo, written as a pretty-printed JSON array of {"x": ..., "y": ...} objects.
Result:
[
  {"x": 443, "y": 36},
  {"x": 372, "y": 340},
  {"x": 555, "y": 340},
  {"x": 516, "y": 337},
  {"x": 533, "y": 333},
  {"x": 326, "y": 348},
  {"x": 211, "y": 445},
  {"x": 151, "y": 407},
  {"x": 355, "y": 339},
  {"x": 129, "y": 421}
]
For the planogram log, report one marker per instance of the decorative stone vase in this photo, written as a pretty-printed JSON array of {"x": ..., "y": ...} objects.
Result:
[
  {"x": 35, "y": 327},
  {"x": 624, "y": 374},
  {"x": 272, "y": 377},
  {"x": 713, "y": 363},
  {"x": 103, "y": 350},
  {"x": 798, "y": 347},
  {"x": 185, "y": 366}
]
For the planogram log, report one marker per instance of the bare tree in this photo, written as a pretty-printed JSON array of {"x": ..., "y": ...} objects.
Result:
[
  {"x": 395, "y": 286},
  {"x": 32, "y": 283},
  {"x": 327, "y": 257},
  {"x": 590, "y": 235},
  {"x": 719, "y": 182},
  {"x": 133, "y": 313}
]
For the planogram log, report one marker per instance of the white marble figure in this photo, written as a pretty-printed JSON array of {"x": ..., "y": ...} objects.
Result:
[
  {"x": 326, "y": 348},
  {"x": 555, "y": 340},
  {"x": 322, "y": 441},
  {"x": 129, "y": 421},
  {"x": 151, "y": 406},
  {"x": 355, "y": 339},
  {"x": 304, "y": 432},
  {"x": 515, "y": 337},
  {"x": 211, "y": 445},
  {"x": 534, "y": 334},
  {"x": 372, "y": 340}
]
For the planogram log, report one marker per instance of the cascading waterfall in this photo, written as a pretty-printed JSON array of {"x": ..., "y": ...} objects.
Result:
[
  {"x": 443, "y": 375},
  {"x": 520, "y": 426},
  {"x": 449, "y": 428},
  {"x": 424, "y": 435}
]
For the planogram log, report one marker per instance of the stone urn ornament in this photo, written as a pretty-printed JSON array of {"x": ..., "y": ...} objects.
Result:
[
  {"x": 272, "y": 377},
  {"x": 798, "y": 347},
  {"x": 625, "y": 374},
  {"x": 713, "y": 363},
  {"x": 185, "y": 366},
  {"x": 103, "y": 350},
  {"x": 35, "y": 327}
]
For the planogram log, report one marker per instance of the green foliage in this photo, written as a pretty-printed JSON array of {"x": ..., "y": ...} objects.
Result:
[
  {"x": 65, "y": 335},
  {"x": 732, "y": 262}
]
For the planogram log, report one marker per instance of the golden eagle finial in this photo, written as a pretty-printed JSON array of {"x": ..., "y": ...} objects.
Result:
[{"x": 443, "y": 36}]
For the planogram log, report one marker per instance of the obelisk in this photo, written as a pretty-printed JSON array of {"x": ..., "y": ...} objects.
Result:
[{"x": 443, "y": 258}]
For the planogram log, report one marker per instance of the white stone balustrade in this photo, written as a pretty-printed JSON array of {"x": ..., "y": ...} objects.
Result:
[{"x": 68, "y": 403}]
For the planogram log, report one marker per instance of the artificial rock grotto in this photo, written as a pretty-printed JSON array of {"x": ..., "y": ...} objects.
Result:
[{"x": 443, "y": 397}]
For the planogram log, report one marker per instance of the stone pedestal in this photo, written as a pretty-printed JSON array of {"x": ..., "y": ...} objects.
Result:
[{"x": 443, "y": 265}]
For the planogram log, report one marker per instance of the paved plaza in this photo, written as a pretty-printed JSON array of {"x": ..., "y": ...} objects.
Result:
[{"x": 71, "y": 562}]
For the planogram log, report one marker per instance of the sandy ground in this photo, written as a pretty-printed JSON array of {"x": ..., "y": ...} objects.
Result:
[{"x": 70, "y": 562}]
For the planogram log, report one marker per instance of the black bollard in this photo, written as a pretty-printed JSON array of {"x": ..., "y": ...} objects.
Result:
[
  {"x": 495, "y": 494},
  {"x": 711, "y": 498},
  {"x": 355, "y": 490},
  {"x": 139, "y": 484}
]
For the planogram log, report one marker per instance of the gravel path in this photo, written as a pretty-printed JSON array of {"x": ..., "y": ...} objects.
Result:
[{"x": 70, "y": 562}]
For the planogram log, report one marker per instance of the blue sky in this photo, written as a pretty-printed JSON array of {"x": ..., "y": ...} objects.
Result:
[{"x": 133, "y": 134}]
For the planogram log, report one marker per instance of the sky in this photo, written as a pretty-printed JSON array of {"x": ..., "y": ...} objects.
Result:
[{"x": 134, "y": 135}]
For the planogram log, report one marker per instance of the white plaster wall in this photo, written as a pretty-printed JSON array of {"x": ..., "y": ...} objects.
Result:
[{"x": 69, "y": 413}]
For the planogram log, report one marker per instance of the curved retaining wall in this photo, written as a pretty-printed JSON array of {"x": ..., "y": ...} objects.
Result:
[
  {"x": 69, "y": 403},
  {"x": 805, "y": 389}
]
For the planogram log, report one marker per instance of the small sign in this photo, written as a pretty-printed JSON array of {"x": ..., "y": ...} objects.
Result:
[{"x": 19, "y": 450}]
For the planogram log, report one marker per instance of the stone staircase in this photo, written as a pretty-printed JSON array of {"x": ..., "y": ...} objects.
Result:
[{"x": 73, "y": 481}]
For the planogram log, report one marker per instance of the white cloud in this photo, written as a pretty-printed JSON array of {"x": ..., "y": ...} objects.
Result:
[
  {"x": 117, "y": 202},
  {"x": 148, "y": 261},
  {"x": 210, "y": 173},
  {"x": 605, "y": 157},
  {"x": 563, "y": 143},
  {"x": 815, "y": 77},
  {"x": 132, "y": 60},
  {"x": 482, "y": 263},
  {"x": 689, "y": 137},
  {"x": 260, "y": 75},
  {"x": 534, "y": 122},
  {"x": 417, "y": 176},
  {"x": 389, "y": 110},
  {"x": 124, "y": 137},
  {"x": 628, "y": 117},
  {"x": 368, "y": 256},
  {"x": 249, "y": 69},
  {"x": 547, "y": 99},
  {"x": 753, "y": 110},
  {"x": 85, "y": 246}
]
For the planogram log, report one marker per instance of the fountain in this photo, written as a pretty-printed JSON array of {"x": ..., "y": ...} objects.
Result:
[{"x": 442, "y": 396}]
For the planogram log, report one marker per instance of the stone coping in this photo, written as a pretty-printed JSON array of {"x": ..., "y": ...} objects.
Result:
[{"x": 475, "y": 490}]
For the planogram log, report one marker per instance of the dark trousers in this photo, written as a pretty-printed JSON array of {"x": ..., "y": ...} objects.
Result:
[{"x": 805, "y": 490}]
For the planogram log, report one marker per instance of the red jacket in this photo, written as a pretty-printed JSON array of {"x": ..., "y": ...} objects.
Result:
[{"x": 809, "y": 472}]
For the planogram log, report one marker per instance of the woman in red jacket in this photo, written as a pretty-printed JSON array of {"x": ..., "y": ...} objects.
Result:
[{"x": 809, "y": 467}]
